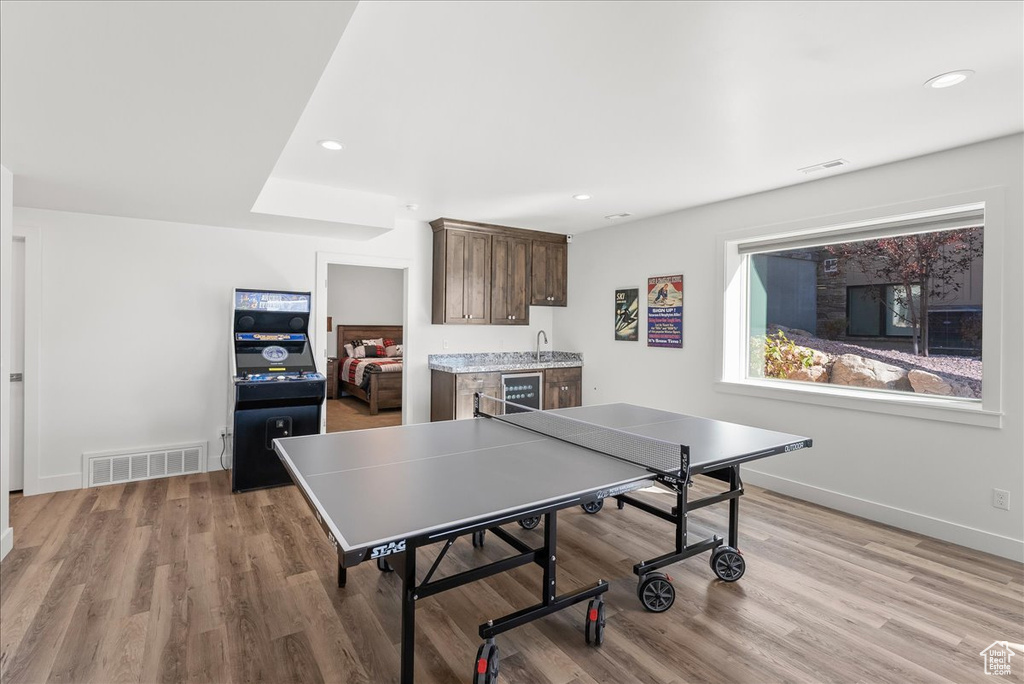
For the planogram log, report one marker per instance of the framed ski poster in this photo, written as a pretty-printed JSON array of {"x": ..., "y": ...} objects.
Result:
[
  {"x": 627, "y": 314},
  {"x": 665, "y": 311}
]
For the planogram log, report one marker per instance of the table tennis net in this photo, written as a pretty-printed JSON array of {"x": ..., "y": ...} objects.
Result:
[{"x": 654, "y": 454}]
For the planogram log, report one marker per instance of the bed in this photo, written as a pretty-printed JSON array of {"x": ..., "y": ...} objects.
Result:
[{"x": 380, "y": 387}]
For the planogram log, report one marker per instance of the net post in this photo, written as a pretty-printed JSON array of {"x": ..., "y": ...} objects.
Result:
[
  {"x": 684, "y": 463},
  {"x": 476, "y": 404}
]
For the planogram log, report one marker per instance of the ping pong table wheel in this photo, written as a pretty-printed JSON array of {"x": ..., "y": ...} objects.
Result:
[
  {"x": 593, "y": 506},
  {"x": 728, "y": 563},
  {"x": 529, "y": 523},
  {"x": 656, "y": 592},
  {"x": 486, "y": 669},
  {"x": 594, "y": 628},
  {"x": 384, "y": 566},
  {"x": 621, "y": 504},
  {"x": 478, "y": 538}
]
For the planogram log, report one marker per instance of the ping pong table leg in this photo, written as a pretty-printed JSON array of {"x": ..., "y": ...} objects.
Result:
[
  {"x": 408, "y": 615},
  {"x": 342, "y": 575},
  {"x": 734, "y": 507}
]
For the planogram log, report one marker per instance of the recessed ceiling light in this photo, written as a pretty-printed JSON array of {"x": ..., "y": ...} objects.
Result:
[
  {"x": 617, "y": 216},
  {"x": 949, "y": 79},
  {"x": 332, "y": 145},
  {"x": 412, "y": 206},
  {"x": 581, "y": 197}
]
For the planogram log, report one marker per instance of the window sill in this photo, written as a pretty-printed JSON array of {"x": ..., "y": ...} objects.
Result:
[{"x": 964, "y": 411}]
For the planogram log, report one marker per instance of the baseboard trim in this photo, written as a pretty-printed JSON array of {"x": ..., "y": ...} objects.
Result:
[
  {"x": 59, "y": 483},
  {"x": 6, "y": 542},
  {"x": 945, "y": 530}
]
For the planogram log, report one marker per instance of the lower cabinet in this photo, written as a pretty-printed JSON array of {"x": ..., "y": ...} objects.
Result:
[
  {"x": 451, "y": 394},
  {"x": 563, "y": 387}
]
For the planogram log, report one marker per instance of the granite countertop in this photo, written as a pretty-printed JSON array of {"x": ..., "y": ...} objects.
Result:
[{"x": 502, "y": 361}]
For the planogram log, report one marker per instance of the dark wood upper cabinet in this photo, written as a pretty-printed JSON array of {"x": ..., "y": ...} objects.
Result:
[
  {"x": 510, "y": 280},
  {"x": 462, "y": 261},
  {"x": 487, "y": 274},
  {"x": 550, "y": 274}
]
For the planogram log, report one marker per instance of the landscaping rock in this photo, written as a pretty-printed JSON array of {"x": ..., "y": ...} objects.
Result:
[
  {"x": 812, "y": 374},
  {"x": 964, "y": 390},
  {"x": 924, "y": 382},
  {"x": 857, "y": 371}
]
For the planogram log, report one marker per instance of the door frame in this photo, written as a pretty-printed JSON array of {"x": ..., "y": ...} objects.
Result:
[
  {"x": 324, "y": 260},
  {"x": 30, "y": 379}
]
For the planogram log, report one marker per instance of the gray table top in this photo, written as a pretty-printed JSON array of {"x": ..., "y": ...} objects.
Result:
[{"x": 386, "y": 484}]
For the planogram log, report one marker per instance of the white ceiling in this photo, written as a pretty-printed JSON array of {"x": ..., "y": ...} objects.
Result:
[
  {"x": 174, "y": 111},
  {"x": 484, "y": 111}
]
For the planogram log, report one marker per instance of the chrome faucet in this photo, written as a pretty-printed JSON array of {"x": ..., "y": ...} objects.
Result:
[{"x": 539, "y": 333}]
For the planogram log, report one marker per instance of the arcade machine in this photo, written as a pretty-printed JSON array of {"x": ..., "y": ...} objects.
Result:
[{"x": 278, "y": 392}]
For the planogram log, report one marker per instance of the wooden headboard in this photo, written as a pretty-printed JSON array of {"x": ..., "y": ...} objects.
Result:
[{"x": 347, "y": 333}]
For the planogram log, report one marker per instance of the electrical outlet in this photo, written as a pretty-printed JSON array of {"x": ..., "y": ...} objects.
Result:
[
  {"x": 1001, "y": 499},
  {"x": 225, "y": 432},
  {"x": 444, "y": 344}
]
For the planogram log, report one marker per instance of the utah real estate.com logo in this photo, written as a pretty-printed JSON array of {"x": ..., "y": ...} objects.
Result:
[{"x": 997, "y": 657}]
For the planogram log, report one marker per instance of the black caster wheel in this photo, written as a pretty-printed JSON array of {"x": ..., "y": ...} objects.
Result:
[
  {"x": 594, "y": 628},
  {"x": 529, "y": 523},
  {"x": 486, "y": 670},
  {"x": 621, "y": 504},
  {"x": 728, "y": 563},
  {"x": 656, "y": 592},
  {"x": 384, "y": 566},
  {"x": 478, "y": 538},
  {"x": 593, "y": 507}
]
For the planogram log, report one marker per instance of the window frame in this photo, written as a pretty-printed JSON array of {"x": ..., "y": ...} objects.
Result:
[{"x": 733, "y": 315}]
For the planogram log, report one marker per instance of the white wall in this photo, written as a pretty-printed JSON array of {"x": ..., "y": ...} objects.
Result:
[
  {"x": 362, "y": 295},
  {"x": 134, "y": 320},
  {"x": 6, "y": 237},
  {"x": 929, "y": 476}
]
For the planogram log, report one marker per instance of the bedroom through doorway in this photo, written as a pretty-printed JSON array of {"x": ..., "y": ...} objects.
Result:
[{"x": 365, "y": 311}]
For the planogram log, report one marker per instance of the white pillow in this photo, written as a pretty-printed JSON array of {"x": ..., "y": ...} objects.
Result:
[{"x": 349, "y": 350}]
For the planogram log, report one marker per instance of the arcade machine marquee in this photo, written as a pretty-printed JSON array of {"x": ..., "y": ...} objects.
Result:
[{"x": 277, "y": 389}]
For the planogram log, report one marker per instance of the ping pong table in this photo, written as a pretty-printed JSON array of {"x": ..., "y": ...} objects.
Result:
[{"x": 382, "y": 494}]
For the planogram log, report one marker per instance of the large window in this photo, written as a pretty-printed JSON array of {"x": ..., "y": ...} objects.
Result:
[{"x": 894, "y": 307}]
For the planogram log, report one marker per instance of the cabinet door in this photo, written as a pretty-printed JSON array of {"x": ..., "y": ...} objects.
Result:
[
  {"x": 468, "y": 384},
  {"x": 548, "y": 282},
  {"x": 563, "y": 388},
  {"x": 467, "y": 277},
  {"x": 558, "y": 274},
  {"x": 477, "y": 283},
  {"x": 510, "y": 280}
]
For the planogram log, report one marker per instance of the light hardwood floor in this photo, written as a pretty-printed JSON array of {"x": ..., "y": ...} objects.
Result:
[
  {"x": 178, "y": 580},
  {"x": 349, "y": 413}
]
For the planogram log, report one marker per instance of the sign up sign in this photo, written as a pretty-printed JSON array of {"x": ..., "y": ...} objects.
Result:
[{"x": 665, "y": 311}]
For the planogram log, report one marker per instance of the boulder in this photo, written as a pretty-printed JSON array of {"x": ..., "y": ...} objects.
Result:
[
  {"x": 812, "y": 374},
  {"x": 857, "y": 371},
  {"x": 924, "y": 382},
  {"x": 963, "y": 390}
]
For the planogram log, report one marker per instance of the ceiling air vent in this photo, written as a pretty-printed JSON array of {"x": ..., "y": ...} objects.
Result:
[{"x": 825, "y": 166}]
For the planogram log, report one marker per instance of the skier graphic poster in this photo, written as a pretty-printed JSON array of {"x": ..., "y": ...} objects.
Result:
[
  {"x": 665, "y": 311},
  {"x": 627, "y": 314}
]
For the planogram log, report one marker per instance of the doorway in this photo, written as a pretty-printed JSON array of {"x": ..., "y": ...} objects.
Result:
[{"x": 361, "y": 308}]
